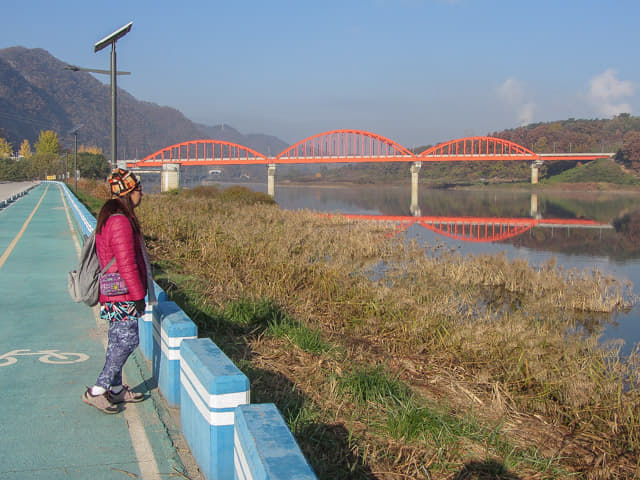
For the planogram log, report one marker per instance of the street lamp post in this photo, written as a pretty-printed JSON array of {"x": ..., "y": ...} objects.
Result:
[
  {"x": 111, "y": 40},
  {"x": 75, "y": 158},
  {"x": 75, "y": 154}
]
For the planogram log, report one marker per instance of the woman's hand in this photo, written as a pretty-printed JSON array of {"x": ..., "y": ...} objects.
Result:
[{"x": 141, "y": 306}]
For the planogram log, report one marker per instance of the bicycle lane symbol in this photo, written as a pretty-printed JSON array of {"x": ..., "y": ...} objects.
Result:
[{"x": 46, "y": 356}]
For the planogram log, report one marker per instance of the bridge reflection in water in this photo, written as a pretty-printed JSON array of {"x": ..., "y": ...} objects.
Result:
[{"x": 478, "y": 229}]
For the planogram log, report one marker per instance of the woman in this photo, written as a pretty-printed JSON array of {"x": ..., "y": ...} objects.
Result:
[{"x": 118, "y": 236}]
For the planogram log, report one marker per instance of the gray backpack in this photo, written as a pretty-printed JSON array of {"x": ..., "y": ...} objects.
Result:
[{"x": 84, "y": 283}]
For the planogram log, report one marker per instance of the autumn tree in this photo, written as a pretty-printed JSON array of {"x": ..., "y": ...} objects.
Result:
[
  {"x": 13, "y": 171},
  {"x": 25, "y": 149},
  {"x": 6, "y": 149},
  {"x": 541, "y": 145},
  {"x": 43, "y": 164},
  {"x": 47, "y": 142},
  {"x": 629, "y": 154},
  {"x": 90, "y": 149},
  {"x": 93, "y": 165}
]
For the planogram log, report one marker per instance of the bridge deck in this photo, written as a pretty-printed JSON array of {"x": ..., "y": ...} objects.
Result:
[{"x": 47, "y": 432}]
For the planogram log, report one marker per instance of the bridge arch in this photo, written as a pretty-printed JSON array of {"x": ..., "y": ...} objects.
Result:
[
  {"x": 467, "y": 229},
  {"x": 203, "y": 152},
  {"x": 479, "y": 230},
  {"x": 478, "y": 148},
  {"x": 339, "y": 146}
]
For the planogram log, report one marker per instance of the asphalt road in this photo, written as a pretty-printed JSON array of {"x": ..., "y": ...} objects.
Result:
[{"x": 8, "y": 189}]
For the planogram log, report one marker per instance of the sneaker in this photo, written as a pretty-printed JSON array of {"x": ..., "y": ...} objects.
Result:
[
  {"x": 101, "y": 402},
  {"x": 125, "y": 395}
]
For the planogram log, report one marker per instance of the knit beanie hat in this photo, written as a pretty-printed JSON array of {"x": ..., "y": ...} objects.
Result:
[{"x": 122, "y": 182}]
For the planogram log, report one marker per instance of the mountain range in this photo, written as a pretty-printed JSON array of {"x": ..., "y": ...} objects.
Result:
[{"x": 37, "y": 93}]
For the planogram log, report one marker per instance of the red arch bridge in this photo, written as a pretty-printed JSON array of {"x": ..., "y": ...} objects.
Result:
[
  {"x": 478, "y": 229},
  {"x": 352, "y": 146}
]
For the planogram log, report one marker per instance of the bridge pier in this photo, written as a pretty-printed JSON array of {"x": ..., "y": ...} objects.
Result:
[
  {"x": 414, "y": 208},
  {"x": 170, "y": 177},
  {"x": 271, "y": 180},
  {"x": 534, "y": 206},
  {"x": 535, "y": 172}
]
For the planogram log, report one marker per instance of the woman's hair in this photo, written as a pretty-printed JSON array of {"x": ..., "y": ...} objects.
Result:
[{"x": 122, "y": 205}]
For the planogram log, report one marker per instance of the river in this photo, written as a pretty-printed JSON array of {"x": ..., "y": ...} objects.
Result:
[{"x": 575, "y": 227}]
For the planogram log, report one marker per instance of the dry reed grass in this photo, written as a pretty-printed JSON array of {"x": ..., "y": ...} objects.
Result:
[{"x": 482, "y": 336}]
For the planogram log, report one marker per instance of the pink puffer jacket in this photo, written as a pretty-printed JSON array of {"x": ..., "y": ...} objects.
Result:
[{"x": 118, "y": 239}]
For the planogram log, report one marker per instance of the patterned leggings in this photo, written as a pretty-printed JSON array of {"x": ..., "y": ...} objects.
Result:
[{"x": 123, "y": 340}]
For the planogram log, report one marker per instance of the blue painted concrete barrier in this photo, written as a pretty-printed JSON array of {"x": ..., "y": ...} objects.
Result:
[
  {"x": 170, "y": 327},
  {"x": 86, "y": 221},
  {"x": 145, "y": 323},
  {"x": 264, "y": 448},
  {"x": 211, "y": 388}
]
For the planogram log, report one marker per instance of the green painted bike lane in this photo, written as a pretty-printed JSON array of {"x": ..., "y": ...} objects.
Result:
[{"x": 46, "y": 430}]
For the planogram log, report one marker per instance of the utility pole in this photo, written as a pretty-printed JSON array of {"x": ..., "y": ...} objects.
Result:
[{"x": 75, "y": 154}]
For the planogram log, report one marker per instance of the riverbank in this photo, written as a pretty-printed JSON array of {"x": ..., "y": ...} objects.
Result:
[
  {"x": 555, "y": 187},
  {"x": 445, "y": 367},
  {"x": 604, "y": 174},
  {"x": 588, "y": 187}
]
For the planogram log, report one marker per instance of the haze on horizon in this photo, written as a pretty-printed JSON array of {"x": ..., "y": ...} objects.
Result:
[{"x": 415, "y": 71}]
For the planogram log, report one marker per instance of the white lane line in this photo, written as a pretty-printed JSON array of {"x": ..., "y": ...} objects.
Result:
[
  {"x": 71, "y": 229},
  {"x": 141, "y": 445}
]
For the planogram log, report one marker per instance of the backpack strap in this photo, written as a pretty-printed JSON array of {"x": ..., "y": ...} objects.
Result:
[{"x": 106, "y": 267}]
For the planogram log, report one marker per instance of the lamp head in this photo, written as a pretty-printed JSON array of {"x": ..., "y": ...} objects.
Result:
[
  {"x": 110, "y": 39},
  {"x": 74, "y": 130}
]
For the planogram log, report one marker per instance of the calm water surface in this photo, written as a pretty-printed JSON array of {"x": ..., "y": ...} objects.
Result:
[{"x": 602, "y": 248}]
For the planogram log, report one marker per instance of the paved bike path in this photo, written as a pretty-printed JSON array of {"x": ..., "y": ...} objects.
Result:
[{"x": 45, "y": 429}]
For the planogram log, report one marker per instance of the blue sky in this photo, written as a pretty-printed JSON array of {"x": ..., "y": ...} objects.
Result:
[{"x": 415, "y": 71}]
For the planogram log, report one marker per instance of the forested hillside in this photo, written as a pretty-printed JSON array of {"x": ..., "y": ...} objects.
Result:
[
  {"x": 619, "y": 135},
  {"x": 37, "y": 93}
]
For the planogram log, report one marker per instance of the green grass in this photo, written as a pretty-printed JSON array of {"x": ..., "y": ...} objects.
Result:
[
  {"x": 252, "y": 313},
  {"x": 373, "y": 384},
  {"x": 604, "y": 170},
  {"x": 307, "y": 339},
  {"x": 409, "y": 421},
  {"x": 262, "y": 315},
  {"x": 93, "y": 204}
]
